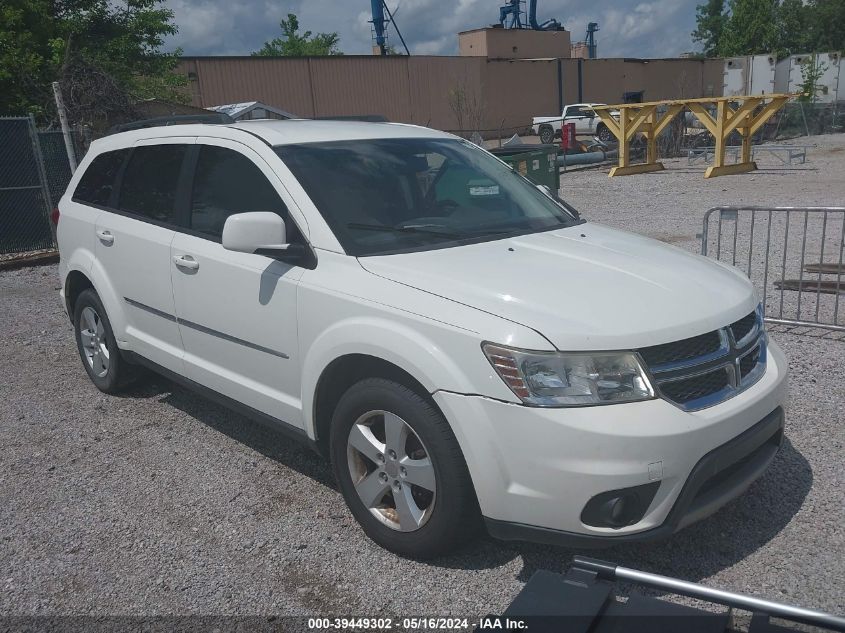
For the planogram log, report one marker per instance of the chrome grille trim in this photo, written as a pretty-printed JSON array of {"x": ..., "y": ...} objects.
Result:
[{"x": 728, "y": 358}]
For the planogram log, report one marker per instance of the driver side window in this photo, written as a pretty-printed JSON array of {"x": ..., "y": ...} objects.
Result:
[{"x": 227, "y": 182}]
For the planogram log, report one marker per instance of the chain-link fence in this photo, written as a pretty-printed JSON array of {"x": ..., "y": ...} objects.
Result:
[
  {"x": 25, "y": 201},
  {"x": 808, "y": 119},
  {"x": 34, "y": 173},
  {"x": 56, "y": 163}
]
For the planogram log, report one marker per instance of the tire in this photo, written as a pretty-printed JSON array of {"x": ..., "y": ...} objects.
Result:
[
  {"x": 547, "y": 134},
  {"x": 604, "y": 134},
  {"x": 98, "y": 350},
  {"x": 440, "y": 520}
]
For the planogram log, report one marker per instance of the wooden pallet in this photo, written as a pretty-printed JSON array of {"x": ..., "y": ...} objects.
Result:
[
  {"x": 812, "y": 285},
  {"x": 830, "y": 268},
  {"x": 30, "y": 259}
]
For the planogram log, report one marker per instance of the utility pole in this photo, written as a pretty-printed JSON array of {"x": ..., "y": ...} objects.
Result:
[{"x": 60, "y": 106}]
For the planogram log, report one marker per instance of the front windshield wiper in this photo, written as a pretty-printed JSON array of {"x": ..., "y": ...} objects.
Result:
[{"x": 424, "y": 229}]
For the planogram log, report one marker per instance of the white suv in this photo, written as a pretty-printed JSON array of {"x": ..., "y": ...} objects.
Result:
[{"x": 464, "y": 348}]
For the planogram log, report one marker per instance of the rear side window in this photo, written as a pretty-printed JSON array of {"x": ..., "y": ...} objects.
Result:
[
  {"x": 148, "y": 187},
  {"x": 97, "y": 183},
  {"x": 227, "y": 182}
]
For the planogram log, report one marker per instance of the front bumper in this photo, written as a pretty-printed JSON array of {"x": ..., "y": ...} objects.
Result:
[{"x": 534, "y": 470}]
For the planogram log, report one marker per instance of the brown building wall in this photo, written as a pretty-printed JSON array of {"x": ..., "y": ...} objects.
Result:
[
  {"x": 517, "y": 90},
  {"x": 417, "y": 89},
  {"x": 283, "y": 83},
  {"x": 361, "y": 85},
  {"x": 498, "y": 43},
  {"x": 432, "y": 79}
]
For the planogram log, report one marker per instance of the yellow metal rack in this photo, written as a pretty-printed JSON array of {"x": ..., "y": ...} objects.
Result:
[{"x": 650, "y": 119}]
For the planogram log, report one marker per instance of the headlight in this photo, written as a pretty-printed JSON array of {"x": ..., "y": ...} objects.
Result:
[{"x": 553, "y": 379}]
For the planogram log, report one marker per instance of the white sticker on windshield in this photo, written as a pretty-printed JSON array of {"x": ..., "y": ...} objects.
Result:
[{"x": 492, "y": 190}]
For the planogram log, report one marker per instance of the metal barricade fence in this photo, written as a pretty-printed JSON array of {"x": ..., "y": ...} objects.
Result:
[
  {"x": 25, "y": 201},
  {"x": 793, "y": 255}
]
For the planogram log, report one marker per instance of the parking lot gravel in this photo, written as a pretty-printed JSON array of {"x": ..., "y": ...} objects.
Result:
[{"x": 159, "y": 502}]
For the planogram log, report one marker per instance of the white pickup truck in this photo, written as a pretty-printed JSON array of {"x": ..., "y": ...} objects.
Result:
[{"x": 581, "y": 114}]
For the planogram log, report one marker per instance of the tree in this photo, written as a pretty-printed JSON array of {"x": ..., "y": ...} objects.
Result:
[
  {"x": 710, "y": 20},
  {"x": 786, "y": 27},
  {"x": 792, "y": 25},
  {"x": 73, "y": 41},
  {"x": 826, "y": 21},
  {"x": 467, "y": 107},
  {"x": 292, "y": 44},
  {"x": 812, "y": 70},
  {"x": 751, "y": 28}
]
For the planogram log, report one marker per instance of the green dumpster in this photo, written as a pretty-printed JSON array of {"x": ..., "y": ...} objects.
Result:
[{"x": 538, "y": 163}]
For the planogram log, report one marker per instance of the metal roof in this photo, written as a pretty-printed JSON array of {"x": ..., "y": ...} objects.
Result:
[{"x": 237, "y": 110}]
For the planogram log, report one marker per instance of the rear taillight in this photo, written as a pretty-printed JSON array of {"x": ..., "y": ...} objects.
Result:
[{"x": 54, "y": 216}]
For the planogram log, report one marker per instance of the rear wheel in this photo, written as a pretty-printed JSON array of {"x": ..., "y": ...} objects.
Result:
[
  {"x": 97, "y": 346},
  {"x": 547, "y": 134},
  {"x": 401, "y": 471}
]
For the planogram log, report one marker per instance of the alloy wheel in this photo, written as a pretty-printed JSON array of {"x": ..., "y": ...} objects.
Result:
[
  {"x": 391, "y": 470},
  {"x": 93, "y": 337}
]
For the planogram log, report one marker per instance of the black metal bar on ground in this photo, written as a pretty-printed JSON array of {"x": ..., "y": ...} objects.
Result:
[{"x": 702, "y": 592}]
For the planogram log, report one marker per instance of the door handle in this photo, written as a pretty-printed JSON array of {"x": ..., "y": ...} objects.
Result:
[
  {"x": 186, "y": 261},
  {"x": 105, "y": 237}
]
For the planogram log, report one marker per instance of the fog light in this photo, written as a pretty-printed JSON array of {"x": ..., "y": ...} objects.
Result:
[{"x": 618, "y": 508}]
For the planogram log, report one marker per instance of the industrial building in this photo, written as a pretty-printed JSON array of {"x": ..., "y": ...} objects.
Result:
[
  {"x": 505, "y": 75},
  {"x": 509, "y": 91},
  {"x": 764, "y": 74},
  {"x": 790, "y": 72}
]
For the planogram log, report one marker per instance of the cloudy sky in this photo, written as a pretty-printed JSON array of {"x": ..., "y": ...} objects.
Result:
[{"x": 238, "y": 27}]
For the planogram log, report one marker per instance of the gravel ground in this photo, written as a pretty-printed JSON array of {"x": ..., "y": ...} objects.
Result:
[{"x": 159, "y": 502}]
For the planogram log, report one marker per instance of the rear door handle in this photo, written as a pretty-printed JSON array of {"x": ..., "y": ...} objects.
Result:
[
  {"x": 186, "y": 261},
  {"x": 105, "y": 237}
]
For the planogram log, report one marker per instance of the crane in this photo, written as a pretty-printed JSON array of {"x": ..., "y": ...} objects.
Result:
[
  {"x": 380, "y": 22},
  {"x": 510, "y": 17}
]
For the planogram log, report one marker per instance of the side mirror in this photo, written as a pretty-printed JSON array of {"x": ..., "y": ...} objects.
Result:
[{"x": 255, "y": 231}]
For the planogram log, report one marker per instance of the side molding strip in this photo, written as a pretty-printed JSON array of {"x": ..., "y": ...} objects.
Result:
[{"x": 204, "y": 329}]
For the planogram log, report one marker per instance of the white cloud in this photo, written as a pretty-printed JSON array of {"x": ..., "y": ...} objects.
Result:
[{"x": 627, "y": 28}]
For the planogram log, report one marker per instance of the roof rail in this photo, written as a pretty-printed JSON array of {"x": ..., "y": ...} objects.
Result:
[
  {"x": 369, "y": 118},
  {"x": 215, "y": 117}
]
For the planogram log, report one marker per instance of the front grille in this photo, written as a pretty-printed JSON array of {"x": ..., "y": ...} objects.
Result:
[
  {"x": 695, "y": 387},
  {"x": 681, "y": 350},
  {"x": 748, "y": 362},
  {"x": 741, "y": 328},
  {"x": 707, "y": 369}
]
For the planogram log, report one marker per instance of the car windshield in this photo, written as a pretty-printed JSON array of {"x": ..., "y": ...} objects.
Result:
[{"x": 385, "y": 196}]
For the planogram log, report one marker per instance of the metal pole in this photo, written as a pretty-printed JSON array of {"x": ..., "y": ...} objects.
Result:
[
  {"x": 395, "y": 26},
  {"x": 42, "y": 175},
  {"x": 60, "y": 107},
  {"x": 701, "y": 592},
  {"x": 804, "y": 116}
]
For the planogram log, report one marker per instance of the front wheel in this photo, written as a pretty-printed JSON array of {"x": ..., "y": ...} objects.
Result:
[
  {"x": 547, "y": 134},
  {"x": 401, "y": 471},
  {"x": 604, "y": 134}
]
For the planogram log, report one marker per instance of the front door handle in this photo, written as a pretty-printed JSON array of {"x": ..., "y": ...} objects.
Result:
[
  {"x": 186, "y": 261},
  {"x": 105, "y": 237}
]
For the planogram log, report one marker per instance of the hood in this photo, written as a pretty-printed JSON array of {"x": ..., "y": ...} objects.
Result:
[{"x": 585, "y": 287}]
